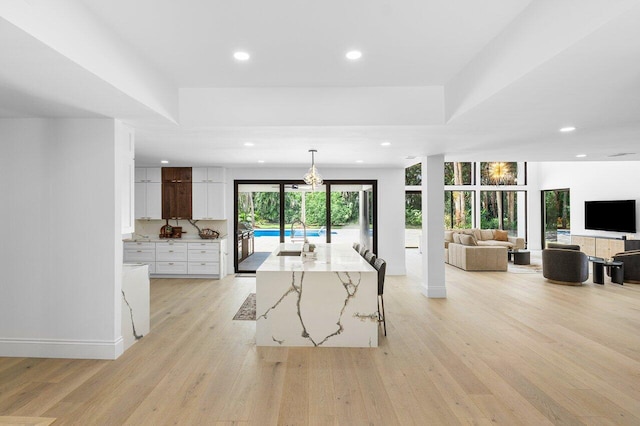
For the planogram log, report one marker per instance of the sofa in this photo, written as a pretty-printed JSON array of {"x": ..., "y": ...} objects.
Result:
[
  {"x": 477, "y": 258},
  {"x": 485, "y": 237},
  {"x": 565, "y": 264}
]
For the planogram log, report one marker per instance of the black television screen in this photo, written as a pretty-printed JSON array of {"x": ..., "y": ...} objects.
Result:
[{"x": 618, "y": 215}]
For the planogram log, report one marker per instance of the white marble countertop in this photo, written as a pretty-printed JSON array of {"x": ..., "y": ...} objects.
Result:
[
  {"x": 192, "y": 239},
  {"x": 330, "y": 258}
]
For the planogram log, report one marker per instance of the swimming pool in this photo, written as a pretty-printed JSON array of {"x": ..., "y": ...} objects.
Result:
[{"x": 287, "y": 232}]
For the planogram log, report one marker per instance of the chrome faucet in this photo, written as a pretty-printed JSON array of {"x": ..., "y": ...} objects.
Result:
[{"x": 304, "y": 230}]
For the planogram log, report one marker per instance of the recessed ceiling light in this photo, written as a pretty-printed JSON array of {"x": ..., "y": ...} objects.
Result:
[
  {"x": 359, "y": 161},
  {"x": 567, "y": 129},
  {"x": 165, "y": 161},
  {"x": 248, "y": 144},
  {"x": 354, "y": 55},
  {"x": 241, "y": 56},
  {"x": 260, "y": 161},
  {"x": 581, "y": 155},
  {"x": 385, "y": 143}
]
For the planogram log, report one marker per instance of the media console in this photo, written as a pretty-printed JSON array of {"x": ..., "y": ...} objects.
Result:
[{"x": 603, "y": 247}]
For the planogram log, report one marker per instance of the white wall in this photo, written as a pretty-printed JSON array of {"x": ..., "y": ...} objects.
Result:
[
  {"x": 390, "y": 204},
  {"x": 588, "y": 181},
  {"x": 61, "y": 256}
]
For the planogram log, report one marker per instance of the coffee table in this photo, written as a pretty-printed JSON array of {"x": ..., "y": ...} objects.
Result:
[{"x": 520, "y": 257}]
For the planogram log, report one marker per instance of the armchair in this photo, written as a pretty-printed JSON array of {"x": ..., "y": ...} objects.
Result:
[
  {"x": 631, "y": 260},
  {"x": 565, "y": 266}
]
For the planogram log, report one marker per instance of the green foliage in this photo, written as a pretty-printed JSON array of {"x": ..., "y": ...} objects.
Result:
[
  {"x": 413, "y": 175},
  {"x": 413, "y": 210},
  {"x": 316, "y": 208},
  {"x": 267, "y": 207}
]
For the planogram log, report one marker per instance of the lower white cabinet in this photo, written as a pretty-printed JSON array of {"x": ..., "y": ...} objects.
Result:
[
  {"x": 171, "y": 268},
  {"x": 204, "y": 258}
]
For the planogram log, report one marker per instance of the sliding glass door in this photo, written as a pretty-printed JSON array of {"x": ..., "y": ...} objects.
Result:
[
  {"x": 556, "y": 218},
  {"x": 273, "y": 212}
]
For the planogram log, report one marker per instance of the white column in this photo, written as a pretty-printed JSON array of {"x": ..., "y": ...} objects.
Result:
[{"x": 433, "y": 226}]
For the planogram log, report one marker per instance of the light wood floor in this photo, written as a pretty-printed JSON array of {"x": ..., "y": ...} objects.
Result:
[{"x": 502, "y": 348}]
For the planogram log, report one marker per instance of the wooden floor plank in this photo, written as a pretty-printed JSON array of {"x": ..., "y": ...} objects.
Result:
[{"x": 502, "y": 348}]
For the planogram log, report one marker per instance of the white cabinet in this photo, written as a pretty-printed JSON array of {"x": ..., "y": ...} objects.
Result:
[
  {"x": 208, "y": 201},
  {"x": 141, "y": 252},
  {"x": 149, "y": 174},
  {"x": 148, "y": 189},
  {"x": 198, "y": 258},
  {"x": 208, "y": 174}
]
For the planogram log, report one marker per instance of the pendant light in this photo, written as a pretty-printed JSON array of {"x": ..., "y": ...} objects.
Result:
[{"x": 312, "y": 177}]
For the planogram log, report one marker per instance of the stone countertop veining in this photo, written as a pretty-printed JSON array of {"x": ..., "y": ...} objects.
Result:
[{"x": 330, "y": 258}]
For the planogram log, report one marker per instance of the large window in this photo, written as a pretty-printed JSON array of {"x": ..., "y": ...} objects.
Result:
[
  {"x": 458, "y": 173},
  {"x": 499, "y": 210},
  {"x": 458, "y": 209},
  {"x": 488, "y": 195}
]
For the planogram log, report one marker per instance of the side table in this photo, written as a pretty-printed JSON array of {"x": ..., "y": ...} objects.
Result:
[{"x": 614, "y": 268}]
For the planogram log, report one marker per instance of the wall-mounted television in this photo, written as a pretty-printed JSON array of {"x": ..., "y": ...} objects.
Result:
[{"x": 616, "y": 215}]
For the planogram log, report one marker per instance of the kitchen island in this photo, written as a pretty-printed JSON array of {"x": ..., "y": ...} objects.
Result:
[{"x": 327, "y": 301}]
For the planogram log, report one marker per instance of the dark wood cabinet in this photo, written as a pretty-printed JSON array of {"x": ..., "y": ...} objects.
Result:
[
  {"x": 176, "y": 193},
  {"x": 176, "y": 174}
]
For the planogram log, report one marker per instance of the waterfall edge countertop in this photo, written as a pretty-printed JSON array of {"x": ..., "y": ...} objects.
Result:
[
  {"x": 328, "y": 301},
  {"x": 330, "y": 258}
]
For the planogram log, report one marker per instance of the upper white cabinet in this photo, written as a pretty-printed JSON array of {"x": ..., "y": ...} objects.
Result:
[
  {"x": 149, "y": 174},
  {"x": 208, "y": 174},
  {"x": 208, "y": 201},
  {"x": 148, "y": 200},
  {"x": 148, "y": 204}
]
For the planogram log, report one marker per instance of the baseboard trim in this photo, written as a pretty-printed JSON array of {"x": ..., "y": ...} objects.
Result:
[
  {"x": 54, "y": 348},
  {"x": 435, "y": 292}
]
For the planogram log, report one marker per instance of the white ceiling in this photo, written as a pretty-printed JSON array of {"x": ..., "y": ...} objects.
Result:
[{"x": 491, "y": 80}]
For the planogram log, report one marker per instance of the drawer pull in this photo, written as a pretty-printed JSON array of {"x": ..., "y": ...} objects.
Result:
[
  {"x": 138, "y": 251},
  {"x": 202, "y": 251},
  {"x": 170, "y": 263},
  {"x": 203, "y": 264},
  {"x": 170, "y": 251}
]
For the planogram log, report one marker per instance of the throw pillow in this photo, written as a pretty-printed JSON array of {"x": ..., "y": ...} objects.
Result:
[
  {"x": 456, "y": 238},
  {"x": 476, "y": 234},
  {"x": 448, "y": 236},
  {"x": 486, "y": 234},
  {"x": 500, "y": 235},
  {"x": 468, "y": 240}
]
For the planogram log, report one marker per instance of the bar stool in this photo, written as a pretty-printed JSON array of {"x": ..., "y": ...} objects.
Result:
[
  {"x": 370, "y": 257},
  {"x": 356, "y": 247},
  {"x": 362, "y": 250},
  {"x": 381, "y": 267}
]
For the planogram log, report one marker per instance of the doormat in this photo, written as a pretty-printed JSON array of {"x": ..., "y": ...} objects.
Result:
[{"x": 248, "y": 309}]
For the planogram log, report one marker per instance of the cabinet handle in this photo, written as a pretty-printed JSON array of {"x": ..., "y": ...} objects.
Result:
[
  {"x": 139, "y": 251},
  {"x": 170, "y": 251},
  {"x": 203, "y": 251},
  {"x": 203, "y": 264}
]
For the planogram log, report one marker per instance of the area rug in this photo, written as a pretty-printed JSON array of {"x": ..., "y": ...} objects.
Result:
[
  {"x": 248, "y": 309},
  {"x": 525, "y": 269}
]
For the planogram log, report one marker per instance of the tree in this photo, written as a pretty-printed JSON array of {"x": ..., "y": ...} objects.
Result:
[{"x": 413, "y": 175}]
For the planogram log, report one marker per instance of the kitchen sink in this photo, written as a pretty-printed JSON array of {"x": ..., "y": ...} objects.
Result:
[{"x": 289, "y": 253}]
